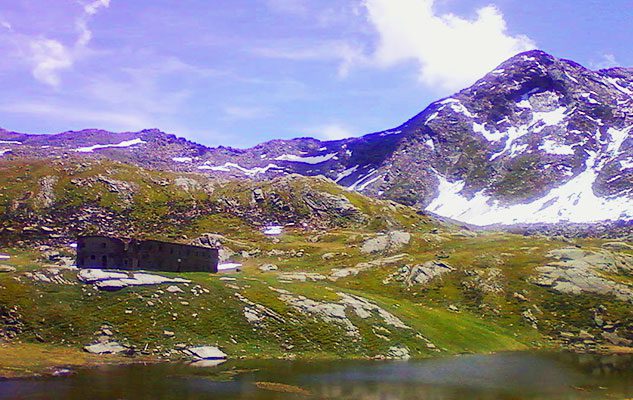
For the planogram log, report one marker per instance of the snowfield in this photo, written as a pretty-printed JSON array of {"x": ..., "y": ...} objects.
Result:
[
  {"x": 574, "y": 201},
  {"x": 306, "y": 159},
  {"x": 127, "y": 143}
]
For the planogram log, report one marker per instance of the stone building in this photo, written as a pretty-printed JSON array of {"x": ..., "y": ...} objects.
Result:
[{"x": 132, "y": 254}]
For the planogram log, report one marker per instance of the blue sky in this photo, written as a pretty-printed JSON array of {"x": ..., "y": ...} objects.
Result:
[{"x": 239, "y": 72}]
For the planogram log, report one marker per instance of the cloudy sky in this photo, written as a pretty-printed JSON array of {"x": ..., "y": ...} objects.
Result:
[{"x": 238, "y": 72}]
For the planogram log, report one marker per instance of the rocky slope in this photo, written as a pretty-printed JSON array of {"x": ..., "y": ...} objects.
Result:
[
  {"x": 537, "y": 140},
  {"x": 342, "y": 275}
]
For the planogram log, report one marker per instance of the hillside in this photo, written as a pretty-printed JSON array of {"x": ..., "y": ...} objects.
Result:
[
  {"x": 349, "y": 277},
  {"x": 537, "y": 140}
]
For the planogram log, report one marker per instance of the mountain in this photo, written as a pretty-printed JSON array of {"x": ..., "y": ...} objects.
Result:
[{"x": 537, "y": 140}]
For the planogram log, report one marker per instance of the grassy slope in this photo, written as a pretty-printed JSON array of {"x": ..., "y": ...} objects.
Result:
[{"x": 69, "y": 315}]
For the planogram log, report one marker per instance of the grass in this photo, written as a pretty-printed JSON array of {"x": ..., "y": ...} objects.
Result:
[
  {"x": 66, "y": 317},
  {"x": 22, "y": 360}
]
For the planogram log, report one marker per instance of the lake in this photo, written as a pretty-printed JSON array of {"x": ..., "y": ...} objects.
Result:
[{"x": 523, "y": 375}]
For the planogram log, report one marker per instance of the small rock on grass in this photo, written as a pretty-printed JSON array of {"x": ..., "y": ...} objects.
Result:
[{"x": 6, "y": 268}]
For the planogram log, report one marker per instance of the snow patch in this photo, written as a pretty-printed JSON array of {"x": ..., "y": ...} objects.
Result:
[
  {"x": 616, "y": 84},
  {"x": 628, "y": 163},
  {"x": 229, "y": 266},
  {"x": 617, "y": 138},
  {"x": 362, "y": 182},
  {"x": 344, "y": 174},
  {"x": 126, "y": 143},
  {"x": 248, "y": 171},
  {"x": 552, "y": 147},
  {"x": 431, "y": 117},
  {"x": 4, "y": 151},
  {"x": 10, "y": 142},
  {"x": 182, "y": 159},
  {"x": 273, "y": 230},
  {"x": 490, "y": 136},
  {"x": 306, "y": 160},
  {"x": 573, "y": 201}
]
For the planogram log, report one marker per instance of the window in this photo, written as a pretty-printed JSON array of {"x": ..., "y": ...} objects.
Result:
[
  {"x": 103, "y": 245},
  {"x": 92, "y": 257}
]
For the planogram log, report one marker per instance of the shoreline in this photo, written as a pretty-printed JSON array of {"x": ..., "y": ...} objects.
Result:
[{"x": 48, "y": 361}]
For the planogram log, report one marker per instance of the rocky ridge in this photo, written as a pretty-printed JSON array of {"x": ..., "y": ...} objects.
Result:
[{"x": 537, "y": 140}]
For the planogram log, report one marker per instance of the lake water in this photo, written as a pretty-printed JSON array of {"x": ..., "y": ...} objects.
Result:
[{"x": 498, "y": 376}]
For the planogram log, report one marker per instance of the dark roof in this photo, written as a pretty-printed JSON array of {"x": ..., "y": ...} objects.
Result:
[{"x": 129, "y": 240}]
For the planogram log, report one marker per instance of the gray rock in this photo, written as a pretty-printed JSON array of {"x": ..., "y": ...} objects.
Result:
[
  {"x": 174, "y": 289},
  {"x": 6, "y": 268},
  {"x": 398, "y": 353},
  {"x": 106, "y": 348},
  {"x": 579, "y": 271},
  {"x": 302, "y": 276},
  {"x": 187, "y": 184},
  {"x": 328, "y": 256},
  {"x": 268, "y": 267},
  {"x": 206, "y": 353},
  {"x": 46, "y": 197},
  {"x": 420, "y": 274},
  {"x": 324, "y": 204},
  {"x": 338, "y": 273},
  {"x": 616, "y": 340},
  {"x": 391, "y": 241},
  {"x": 258, "y": 196}
]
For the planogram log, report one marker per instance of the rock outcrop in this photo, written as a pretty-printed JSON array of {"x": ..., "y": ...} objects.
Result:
[
  {"x": 420, "y": 274},
  {"x": 578, "y": 271},
  {"x": 391, "y": 241}
]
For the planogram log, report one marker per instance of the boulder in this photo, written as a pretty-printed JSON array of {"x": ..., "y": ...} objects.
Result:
[
  {"x": 302, "y": 276},
  {"x": 386, "y": 242},
  {"x": 174, "y": 289},
  {"x": 577, "y": 271},
  {"x": 258, "y": 196},
  {"x": 328, "y": 256},
  {"x": 268, "y": 267},
  {"x": 324, "y": 204},
  {"x": 420, "y": 274},
  {"x": 106, "y": 348},
  {"x": 206, "y": 353},
  {"x": 398, "y": 353},
  {"x": 6, "y": 268},
  {"x": 116, "y": 280}
]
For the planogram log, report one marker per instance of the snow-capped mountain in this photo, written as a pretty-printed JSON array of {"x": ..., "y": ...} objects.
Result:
[{"x": 538, "y": 139}]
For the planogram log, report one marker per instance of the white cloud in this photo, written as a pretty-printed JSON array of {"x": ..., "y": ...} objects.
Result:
[
  {"x": 92, "y": 7},
  {"x": 332, "y": 131},
  {"x": 606, "y": 61},
  {"x": 50, "y": 57},
  {"x": 345, "y": 53},
  {"x": 6, "y": 25},
  {"x": 452, "y": 52}
]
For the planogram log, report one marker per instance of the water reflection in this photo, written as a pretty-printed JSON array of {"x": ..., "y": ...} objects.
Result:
[{"x": 500, "y": 376}]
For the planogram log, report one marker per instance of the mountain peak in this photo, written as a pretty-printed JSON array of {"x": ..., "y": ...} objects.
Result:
[{"x": 538, "y": 139}]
